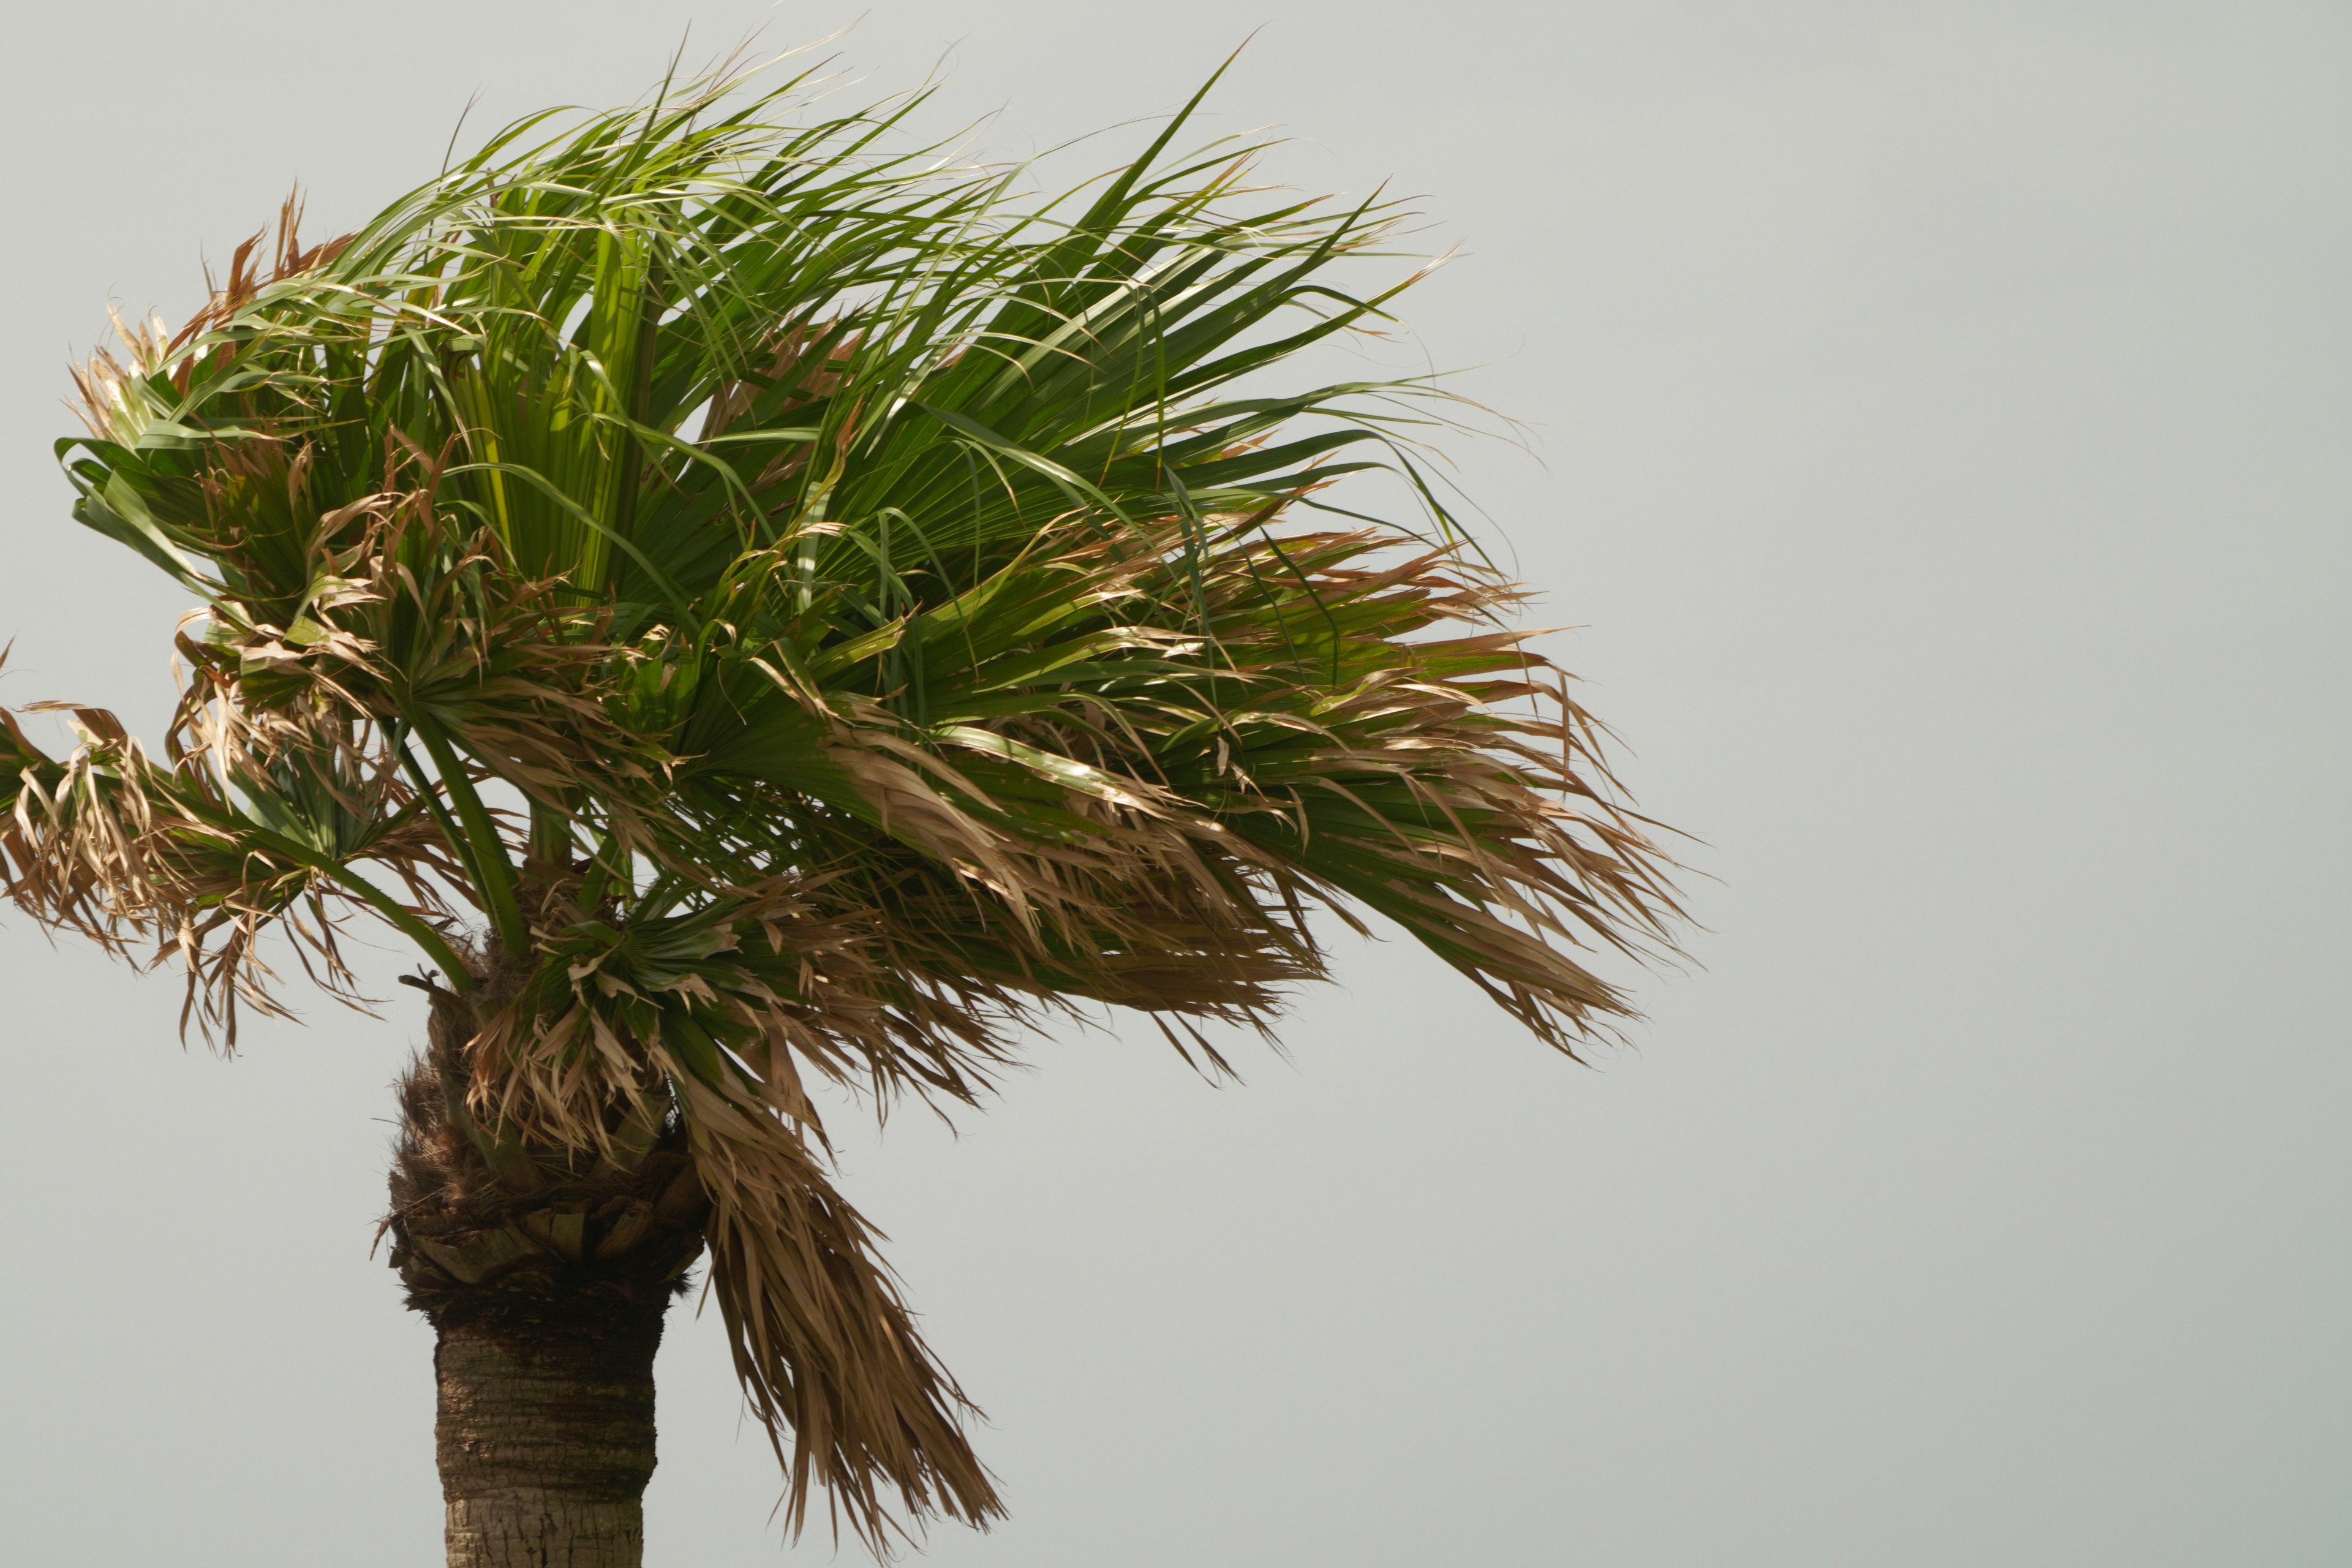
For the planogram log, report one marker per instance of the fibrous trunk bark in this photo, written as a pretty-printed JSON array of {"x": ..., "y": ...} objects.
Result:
[
  {"x": 545, "y": 1273},
  {"x": 546, "y": 1439}
]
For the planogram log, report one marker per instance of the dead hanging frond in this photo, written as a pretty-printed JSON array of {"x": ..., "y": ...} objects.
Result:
[
  {"x": 719, "y": 1016},
  {"x": 725, "y": 1011},
  {"x": 824, "y": 1347}
]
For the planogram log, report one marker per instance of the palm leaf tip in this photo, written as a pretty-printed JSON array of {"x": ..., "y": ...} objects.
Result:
[{"x": 892, "y": 616}]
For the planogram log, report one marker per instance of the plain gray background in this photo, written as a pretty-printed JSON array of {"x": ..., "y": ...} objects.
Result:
[{"x": 1942, "y": 413}]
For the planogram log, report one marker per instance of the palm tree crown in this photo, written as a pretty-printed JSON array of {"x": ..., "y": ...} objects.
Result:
[{"x": 749, "y": 600}]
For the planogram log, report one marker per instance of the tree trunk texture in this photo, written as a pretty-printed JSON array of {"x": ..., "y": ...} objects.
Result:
[
  {"x": 545, "y": 1274},
  {"x": 546, "y": 1439}
]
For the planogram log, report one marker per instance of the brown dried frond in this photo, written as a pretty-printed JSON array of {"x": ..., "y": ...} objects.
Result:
[
  {"x": 1336, "y": 740},
  {"x": 101, "y": 384},
  {"x": 107, "y": 843},
  {"x": 823, "y": 1344},
  {"x": 289, "y": 258},
  {"x": 823, "y": 973}
]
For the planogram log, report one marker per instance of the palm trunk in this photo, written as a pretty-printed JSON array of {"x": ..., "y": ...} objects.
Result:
[
  {"x": 546, "y": 1275},
  {"x": 546, "y": 1439}
]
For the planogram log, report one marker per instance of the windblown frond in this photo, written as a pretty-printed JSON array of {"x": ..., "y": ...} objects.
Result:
[{"x": 890, "y": 611}]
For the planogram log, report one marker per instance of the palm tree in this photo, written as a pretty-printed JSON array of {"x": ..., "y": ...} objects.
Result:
[{"x": 752, "y": 602}]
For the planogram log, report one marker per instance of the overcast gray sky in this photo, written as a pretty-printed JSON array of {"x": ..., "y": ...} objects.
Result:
[{"x": 1942, "y": 414}]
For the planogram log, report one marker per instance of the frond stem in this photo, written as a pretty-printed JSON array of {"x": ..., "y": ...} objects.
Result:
[
  {"x": 489, "y": 859},
  {"x": 431, "y": 797},
  {"x": 435, "y": 946}
]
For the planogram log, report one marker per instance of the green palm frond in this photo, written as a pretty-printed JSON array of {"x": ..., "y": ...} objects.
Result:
[{"x": 891, "y": 609}]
